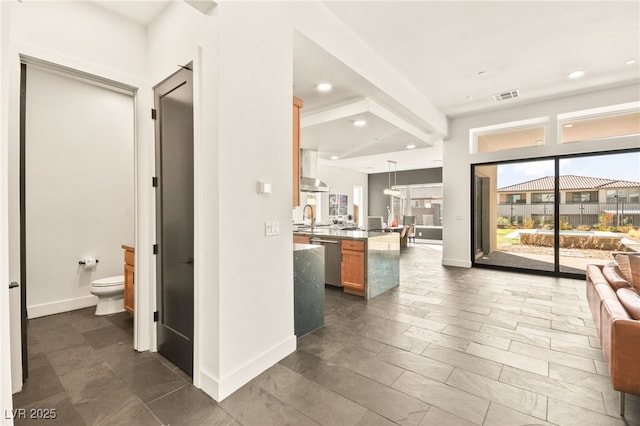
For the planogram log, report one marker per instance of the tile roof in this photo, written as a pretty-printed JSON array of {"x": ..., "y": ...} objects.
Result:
[{"x": 569, "y": 182}]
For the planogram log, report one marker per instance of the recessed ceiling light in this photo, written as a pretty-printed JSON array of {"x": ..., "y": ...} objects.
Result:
[
  {"x": 360, "y": 123},
  {"x": 568, "y": 125},
  {"x": 334, "y": 157},
  {"x": 411, "y": 146},
  {"x": 576, "y": 74},
  {"x": 324, "y": 87},
  {"x": 631, "y": 61}
]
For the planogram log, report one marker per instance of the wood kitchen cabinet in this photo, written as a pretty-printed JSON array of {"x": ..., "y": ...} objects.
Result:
[
  {"x": 129, "y": 272},
  {"x": 301, "y": 239},
  {"x": 297, "y": 104},
  {"x": 353, "y": 267}
]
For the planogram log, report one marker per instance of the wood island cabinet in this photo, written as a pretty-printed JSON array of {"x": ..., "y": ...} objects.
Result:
[
  {"x": 297, "y": 104},
  {"x": 353, "y": 267},
  {"x": 129, "y": 272},
  {"x": 300, "y": 239}
]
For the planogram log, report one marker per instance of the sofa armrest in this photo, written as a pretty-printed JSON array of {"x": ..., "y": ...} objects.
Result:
[{"x": 624, "y": 365}]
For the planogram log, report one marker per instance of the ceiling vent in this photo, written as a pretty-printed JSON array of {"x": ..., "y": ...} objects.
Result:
[{"x": 506, "y": 95}]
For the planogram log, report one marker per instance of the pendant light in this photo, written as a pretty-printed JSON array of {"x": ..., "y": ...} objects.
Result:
[{"x": 390, "y": 190}]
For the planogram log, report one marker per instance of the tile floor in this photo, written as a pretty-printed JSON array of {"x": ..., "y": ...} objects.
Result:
[{"x": 450, "y": 346}]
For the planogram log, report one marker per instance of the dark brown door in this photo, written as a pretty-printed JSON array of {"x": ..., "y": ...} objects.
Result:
[{"x": 174, "y": 217}]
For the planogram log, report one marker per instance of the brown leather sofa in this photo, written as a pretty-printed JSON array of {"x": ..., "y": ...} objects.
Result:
[{"x": 615, "y": 306}]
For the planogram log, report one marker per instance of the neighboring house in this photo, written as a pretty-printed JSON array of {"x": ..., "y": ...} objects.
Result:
[{"x": 583, "y": 201}]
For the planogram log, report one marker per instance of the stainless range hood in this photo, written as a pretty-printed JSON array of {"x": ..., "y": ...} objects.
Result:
[{"x": 309, "y": 181}]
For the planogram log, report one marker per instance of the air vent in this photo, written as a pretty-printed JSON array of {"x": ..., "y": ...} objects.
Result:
[{"x": 506, "y": 95}]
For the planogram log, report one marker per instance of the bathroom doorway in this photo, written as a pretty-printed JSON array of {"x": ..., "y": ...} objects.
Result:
[
  {"x": 76, "y": 186},
  {"x": 173, "y": 99}
]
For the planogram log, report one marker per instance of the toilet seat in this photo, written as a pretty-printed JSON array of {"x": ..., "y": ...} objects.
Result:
[{"x": 109, "y": 281}]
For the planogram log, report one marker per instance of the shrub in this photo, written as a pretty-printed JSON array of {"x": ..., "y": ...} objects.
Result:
[
  {"x": 564, "y": 225},
  {"x": 606, "y": 218},
  {"x": 504, "y": 221},
  {"x": 634, "y": 233},
  {"x": 529, "y": 223},
  {"x": 583, "y": 228}
]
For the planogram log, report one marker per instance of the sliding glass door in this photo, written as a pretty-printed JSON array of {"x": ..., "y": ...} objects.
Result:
[
  {"x": 556, "y": 215},
  {"x": 599, "y": 209}
]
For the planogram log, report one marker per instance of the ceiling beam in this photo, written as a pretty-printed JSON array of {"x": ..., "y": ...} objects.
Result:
[{"x": 362, "y": 106}]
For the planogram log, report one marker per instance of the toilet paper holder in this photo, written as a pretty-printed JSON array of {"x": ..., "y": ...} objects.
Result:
[{"x": 82, "y": 262}]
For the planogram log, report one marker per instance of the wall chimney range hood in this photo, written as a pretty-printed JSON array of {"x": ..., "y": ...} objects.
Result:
[{"x": 309, "y": 181}]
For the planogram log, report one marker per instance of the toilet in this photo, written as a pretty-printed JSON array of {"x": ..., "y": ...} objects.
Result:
[{"x": 110, "y": 292}]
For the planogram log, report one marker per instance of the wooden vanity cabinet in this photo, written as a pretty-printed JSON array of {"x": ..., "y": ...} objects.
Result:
[
  {"x": 353, "y": 267},
  {"x": 129, "y": 270}
]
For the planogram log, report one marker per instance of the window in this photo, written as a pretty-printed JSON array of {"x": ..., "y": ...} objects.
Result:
[
  {"x": 542, "y": 197},
  {"x": 617, "y": 195},
  {"x": 582, "y": 197},
  {"x": 600, "y": 123},
  {"x": 634, "y": 195},
  {"x": 515, "y": 199},
  {"x": 519, "y": 134}
]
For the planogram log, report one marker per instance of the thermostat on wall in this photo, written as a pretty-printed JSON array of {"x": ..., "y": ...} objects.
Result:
[{"x": 264, "y": 187}]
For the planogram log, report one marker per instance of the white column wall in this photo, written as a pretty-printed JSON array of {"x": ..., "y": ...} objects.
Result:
[
  {"x": 6, "y": 367},
  {"x": 457, "y": 160}
]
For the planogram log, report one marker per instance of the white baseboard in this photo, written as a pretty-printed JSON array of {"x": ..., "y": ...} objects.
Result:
[
  {"x": 219, "y": 389},
  {"x": 456, "y": 262},
  {"x": 59, "y": 306}
]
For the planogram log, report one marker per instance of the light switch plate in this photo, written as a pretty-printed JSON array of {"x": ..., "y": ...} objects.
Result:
[
  {"x": 264, "y": 187},
  {"x": 271, "y": 228}
]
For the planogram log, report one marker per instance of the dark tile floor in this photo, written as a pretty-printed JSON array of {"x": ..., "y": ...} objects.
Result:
[{"x": 450, "y": 346}]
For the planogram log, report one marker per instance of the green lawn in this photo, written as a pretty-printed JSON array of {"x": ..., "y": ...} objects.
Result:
[{"x": 502, "y": 239}]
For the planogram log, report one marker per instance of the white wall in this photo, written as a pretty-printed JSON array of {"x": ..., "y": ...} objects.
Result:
[
  {"x": 342, "y": 181},
  {"x": 7, "y": 367},
  {"x": 457, "y": 160},
  {"x": 79, "y": 188}
]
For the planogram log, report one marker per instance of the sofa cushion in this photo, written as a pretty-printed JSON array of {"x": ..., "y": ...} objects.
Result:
[
  {"x": 634, "y": 262},
  {"x": 624, "y": 265},
  {"x": 612, "y": 273},
  {"x": 630, "y": 299}
]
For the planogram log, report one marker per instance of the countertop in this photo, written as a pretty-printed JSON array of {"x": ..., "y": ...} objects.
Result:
[
  {"x": 338, "y": 233},
  {"x": 300, "y": 247}
]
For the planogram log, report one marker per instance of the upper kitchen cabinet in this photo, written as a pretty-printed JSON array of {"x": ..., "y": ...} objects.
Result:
[{"x": 297, "y": 104}]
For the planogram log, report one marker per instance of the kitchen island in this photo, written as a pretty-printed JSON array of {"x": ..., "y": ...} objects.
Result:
[
  {"x": 364, "y": 264},
  {"x": 308, "y": 288}
]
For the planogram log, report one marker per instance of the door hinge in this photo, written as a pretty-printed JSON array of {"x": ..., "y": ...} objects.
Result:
[
  {"x": 155, "y": 249},
  {"x": 154, "y": 113},
  {"x": 155, "y": 316},
  {"x": 154, "y": 181}
]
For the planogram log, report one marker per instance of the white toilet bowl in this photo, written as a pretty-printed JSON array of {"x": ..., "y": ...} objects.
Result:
[{"x": 110, "y": 292}]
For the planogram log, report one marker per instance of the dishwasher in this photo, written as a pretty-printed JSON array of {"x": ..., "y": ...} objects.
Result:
[{"x": 332, "y": 260}]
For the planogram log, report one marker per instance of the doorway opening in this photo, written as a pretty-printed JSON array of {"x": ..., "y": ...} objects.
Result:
[{"x": 76, "y": 185}]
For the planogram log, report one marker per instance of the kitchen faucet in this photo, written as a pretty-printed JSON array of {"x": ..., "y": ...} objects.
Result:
[{"x": 313, "y": 219}]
